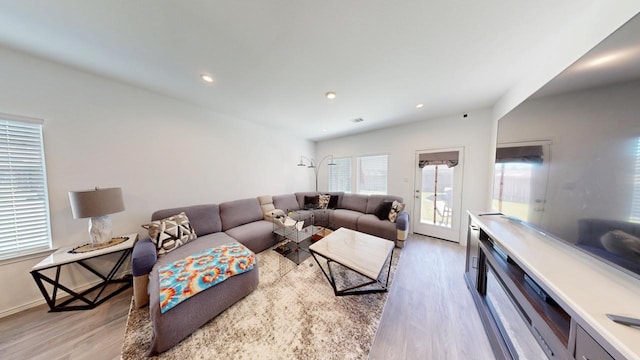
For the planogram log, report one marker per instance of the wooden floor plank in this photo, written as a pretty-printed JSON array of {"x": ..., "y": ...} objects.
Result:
[{"x": 429, "y": 315}]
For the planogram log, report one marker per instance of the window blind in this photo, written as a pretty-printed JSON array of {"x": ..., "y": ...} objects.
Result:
[
  {"x": 24, "y": 208},
  {"x": 372, "y": 174},
  {"x": 340, "y": 175},
  {"x": 449, "y": 158},
  {"x": 635, "y": 203},
  {"x": 521, "y": 154}
]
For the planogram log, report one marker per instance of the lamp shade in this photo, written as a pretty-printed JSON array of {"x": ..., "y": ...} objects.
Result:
[{"x": 97, "y": 202}]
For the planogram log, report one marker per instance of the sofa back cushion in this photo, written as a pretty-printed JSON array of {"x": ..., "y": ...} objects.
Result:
[
  {"x": 376, "y": 200},
  {"x": 204, "y": 219},
  {"x": 286, "y": 202},
  {"x": 266, "y": 203},
  {"x": 355, "y": 202},
  {"x": 240, "y": 212}
]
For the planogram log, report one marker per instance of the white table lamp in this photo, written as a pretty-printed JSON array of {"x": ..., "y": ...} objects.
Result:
[{"x": 97, "y": 204}]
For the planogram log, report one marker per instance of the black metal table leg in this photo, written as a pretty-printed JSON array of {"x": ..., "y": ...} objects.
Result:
[{"x": 51, "y": 300}]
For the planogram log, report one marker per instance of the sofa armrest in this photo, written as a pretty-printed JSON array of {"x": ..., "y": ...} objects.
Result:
[
  {"x": 143, "y": 257},
  {"x": 402, "y": 228}
]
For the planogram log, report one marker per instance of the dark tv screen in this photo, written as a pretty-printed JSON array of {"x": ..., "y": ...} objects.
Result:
[{"x": 568, "y": 163}]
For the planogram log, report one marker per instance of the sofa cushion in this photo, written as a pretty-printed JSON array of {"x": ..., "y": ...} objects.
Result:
[
  {"x": 382, "y": 211},
  {"x": 345, "y": 218},
  {"x": 257, "y": 235},
  {"x": 266, "y": 203},
  {"x": 396, "y": 208},
  {"x": 286, "y": 202},
  {"x": 143, "y": 258},
  {"x": 240, "y": 212},
  {"x": 170, "y": 233},
  {"x": 370, "y": 224},
  {"x": 355, "y": 202},
  {"x": 171, "y": 327},
  {"x": 205, "y": 219},
  {"x": 375, "y": 200}
]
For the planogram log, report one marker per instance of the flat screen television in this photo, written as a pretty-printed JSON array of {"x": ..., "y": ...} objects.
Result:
[{"x": 568, "y": 158}]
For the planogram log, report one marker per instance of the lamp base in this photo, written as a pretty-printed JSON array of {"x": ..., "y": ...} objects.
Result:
[{"x": 100, "y": 230}]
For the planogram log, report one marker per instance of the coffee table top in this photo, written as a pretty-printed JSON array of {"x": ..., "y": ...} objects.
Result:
[{"x": 360, "y": 252}]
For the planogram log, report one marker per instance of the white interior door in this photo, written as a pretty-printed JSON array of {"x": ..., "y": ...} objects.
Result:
[{"x": 438, "y": 194}]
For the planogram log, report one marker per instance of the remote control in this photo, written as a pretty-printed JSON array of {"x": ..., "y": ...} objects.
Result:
[{"x": 624, "y": 320}]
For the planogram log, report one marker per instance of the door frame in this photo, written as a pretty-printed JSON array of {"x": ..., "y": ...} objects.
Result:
[{"x": 449, "y": 234}]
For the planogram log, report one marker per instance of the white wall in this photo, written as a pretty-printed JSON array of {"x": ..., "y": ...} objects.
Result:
[
  {"x": 594, "y": 137},
  {"x": 160, "y": 151},
  {"x": 474, "y": 133},
  {"x": 597, "y": 21}
]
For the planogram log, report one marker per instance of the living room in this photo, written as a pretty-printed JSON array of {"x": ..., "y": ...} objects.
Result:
[{"x": 164, "y": 151}]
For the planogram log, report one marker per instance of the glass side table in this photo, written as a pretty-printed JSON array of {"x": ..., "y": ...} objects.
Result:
[{"x": 295, "y": 238}]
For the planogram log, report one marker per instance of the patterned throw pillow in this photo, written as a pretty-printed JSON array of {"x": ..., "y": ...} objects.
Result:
[
  {"x": 396, "y": 208},
  {"x": 170, "y": 233},
  {"x": 323, "y": 201}
]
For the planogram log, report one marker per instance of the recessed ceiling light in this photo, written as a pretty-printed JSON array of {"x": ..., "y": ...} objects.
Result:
[
  {"x": 419, "y": 106},
  {"x": 207, "y": 78},
  {"x": 324, "y": 130},
  {"x": 330, "y": 95}
]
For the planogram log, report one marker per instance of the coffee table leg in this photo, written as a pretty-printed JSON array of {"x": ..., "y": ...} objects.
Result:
[{"x": 350, "y": 290}]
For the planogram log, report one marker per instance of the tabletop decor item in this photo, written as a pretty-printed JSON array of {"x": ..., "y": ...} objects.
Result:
[{"x": 96, "y": 205}]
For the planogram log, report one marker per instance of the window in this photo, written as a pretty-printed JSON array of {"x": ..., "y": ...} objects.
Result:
[
  {"x": 24, "y": 208},
  {"x": 372, "y": 174},
  {"x": 635, "y": 204},
  {"x": 520, "y": 180},
  {"x": 512, "y": 188},
  {"x": 340, "y": 175}
]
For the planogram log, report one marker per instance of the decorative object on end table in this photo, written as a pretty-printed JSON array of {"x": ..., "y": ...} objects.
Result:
[{"x": 97, "y": 204}]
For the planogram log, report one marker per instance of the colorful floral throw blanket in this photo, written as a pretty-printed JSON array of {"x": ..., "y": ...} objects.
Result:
[{"x": 186, "y": 277}]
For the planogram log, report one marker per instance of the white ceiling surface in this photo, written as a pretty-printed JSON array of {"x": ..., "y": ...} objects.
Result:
[
  {"x": 274, "y": 60},
  {"x": 616, "y": 59}
]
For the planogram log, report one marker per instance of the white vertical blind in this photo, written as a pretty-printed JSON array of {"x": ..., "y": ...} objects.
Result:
[
  {"x": 24, "y": 207},
  {"x": 372, "y": 174},
  {"x": 635, "y": 204},
  {"x": 340, "y": 175}
]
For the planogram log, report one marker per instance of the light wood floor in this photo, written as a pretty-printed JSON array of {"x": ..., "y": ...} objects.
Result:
[{"x": 429, "y": 315}]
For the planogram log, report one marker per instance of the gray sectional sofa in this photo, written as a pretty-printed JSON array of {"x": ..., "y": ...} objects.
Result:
[{"x": 249, "y": 222}]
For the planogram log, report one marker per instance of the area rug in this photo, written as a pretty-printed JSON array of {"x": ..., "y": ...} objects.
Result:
[{"x": 293, "y": 314}]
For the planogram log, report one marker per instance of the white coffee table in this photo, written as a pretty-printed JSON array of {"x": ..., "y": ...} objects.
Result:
[{"x": 362, "y": 253}]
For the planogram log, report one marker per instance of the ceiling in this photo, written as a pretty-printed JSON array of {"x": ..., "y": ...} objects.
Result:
[
  {"x": 614, "y": 60},
  {"x": 273, "y": 61}
]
